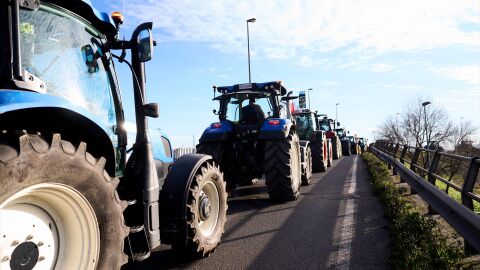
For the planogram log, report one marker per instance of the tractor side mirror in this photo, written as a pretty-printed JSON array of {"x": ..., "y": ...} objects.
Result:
[
  {"x": 143, "y": 42},
  {"x": 151, "y": 110},
  {"x": 338, "y": 124},
  {"x": 145, "y": 45},
  {"x": 215, "y": 112},
  {"x": 90, "y": 58}
]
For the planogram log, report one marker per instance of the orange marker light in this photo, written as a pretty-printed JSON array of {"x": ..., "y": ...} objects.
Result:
[{"x": 117, "y": 17}]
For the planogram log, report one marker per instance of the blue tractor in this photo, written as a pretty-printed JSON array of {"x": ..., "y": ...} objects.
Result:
[
  {"x": 257, "y": 136},
  {"x": 70, "y": 195}
]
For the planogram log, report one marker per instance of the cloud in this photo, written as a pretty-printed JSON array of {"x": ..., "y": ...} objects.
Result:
[
  {"x": 382, "y": 67},
  {"x": 404, "y": 87},
  {"x": 469, "y": 74},
  {"x": 305, "y": 27}
]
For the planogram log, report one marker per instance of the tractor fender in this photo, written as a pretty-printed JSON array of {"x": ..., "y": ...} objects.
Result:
[
  {"x": 219, "y": 131},
  {"x": 34, "y": 112},
  {"x": 304, "y": 143},
  {"x": 174, "y": 192},
  {"x": 275, "y": 129}
]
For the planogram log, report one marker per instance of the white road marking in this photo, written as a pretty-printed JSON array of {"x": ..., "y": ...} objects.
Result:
[{"x": 346, "y": 231}]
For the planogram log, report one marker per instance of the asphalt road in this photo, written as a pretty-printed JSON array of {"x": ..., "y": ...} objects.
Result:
[{"x": 337, "y": 223}]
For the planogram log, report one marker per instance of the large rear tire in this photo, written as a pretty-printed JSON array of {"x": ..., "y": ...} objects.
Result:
[
  {"x": 335, "y": 146},
  {"x": 65, "y": 207},
  {"x": 283, "y": 168},
  {"x": 319, "y": 158},
  {"x": 346, "y": 149},
  {"x": 330, "y": 153},
  {"x": 206, "y": 213}
]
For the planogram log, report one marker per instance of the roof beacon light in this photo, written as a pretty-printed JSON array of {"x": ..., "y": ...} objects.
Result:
[{"x": 118, "y": 18}]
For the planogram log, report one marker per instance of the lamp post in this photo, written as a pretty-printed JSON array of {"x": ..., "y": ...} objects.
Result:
[
  {"x": 424, "y": 104},
  {"x": 336, "y": 110},
  {"x": 308, "y": 90},
  {"x": 396, "y": 121},
  {"x": 336, "y": 114},
  {"x": 251, "y": 20}
]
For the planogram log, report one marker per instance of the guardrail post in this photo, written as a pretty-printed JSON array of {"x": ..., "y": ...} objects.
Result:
[
  {"x": 469, "y": 182},
  {"x": 402, "y": 160},
  {"x": 416, "y": 154},
  {"x": 431, "y": 170},
  {"x": 395, "y": 151},
  {"x": 467, "y": 187}
]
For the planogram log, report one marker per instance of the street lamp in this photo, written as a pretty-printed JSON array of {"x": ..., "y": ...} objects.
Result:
[
  {"x": 424, "y": 104},
  {"x": 396, "y": 121},
  {"x": 336, "y": 110},
  {"x": 251, "y": 20},
  {"x": 309, "y": 89},
  {"x": 336, "y": 114}
]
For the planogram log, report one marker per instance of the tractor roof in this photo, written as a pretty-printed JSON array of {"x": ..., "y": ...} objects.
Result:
[
  {"x": 84, "y": 8},
  {"x": 270, "y": 87},
  {"x": 303, "y": 111}
]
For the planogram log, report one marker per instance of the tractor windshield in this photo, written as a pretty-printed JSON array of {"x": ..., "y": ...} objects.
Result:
[
  {"x": 305, "y": 124},
  {"x": 340, "y": 133},
  {"x": 236, "y": 107},
  {"x": 324, "y": 125},
  {"x": 65, "y": 53}
]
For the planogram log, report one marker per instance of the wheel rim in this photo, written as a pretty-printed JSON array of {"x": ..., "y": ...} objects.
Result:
[
  {"x": 208, "y": 208},
  {"x": 55, "y": 228}
]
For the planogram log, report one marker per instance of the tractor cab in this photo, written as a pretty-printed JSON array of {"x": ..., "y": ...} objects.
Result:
[
  {"x": 251, "y": 107},
  {"x": 327, "y": 125},
  {"x": 306, "y": 121},
  {"x": 341, "y": 133}
]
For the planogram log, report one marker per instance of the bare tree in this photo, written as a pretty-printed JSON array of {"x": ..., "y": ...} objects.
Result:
[
  {"x": 462, "y": 136},
  {"x": 410, "y": 129},
  {"x": 391, "y": 131}
]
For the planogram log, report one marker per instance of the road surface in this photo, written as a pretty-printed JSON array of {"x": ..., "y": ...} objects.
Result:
[{"x": 337, "y": 223}]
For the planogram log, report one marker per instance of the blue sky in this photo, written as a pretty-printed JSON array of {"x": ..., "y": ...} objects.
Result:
[{"x": 371, "y": 56}]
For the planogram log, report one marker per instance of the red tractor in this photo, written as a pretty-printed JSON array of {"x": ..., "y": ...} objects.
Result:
[{"x": 328, "y": 126}]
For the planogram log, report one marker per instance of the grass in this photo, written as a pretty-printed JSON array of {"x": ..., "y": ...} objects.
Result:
[
  {"x": 456, "y": 195},
  {"x": 416, "y": 239}
]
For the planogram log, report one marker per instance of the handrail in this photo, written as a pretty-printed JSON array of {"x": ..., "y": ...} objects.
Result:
[{"x": 461, "y": 216}]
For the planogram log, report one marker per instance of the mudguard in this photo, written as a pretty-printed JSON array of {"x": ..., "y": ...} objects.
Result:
[
  {"x": 219, "y": 131},
  {"x": 173, "y": 196},
  {"x": 275, "y": 129}
]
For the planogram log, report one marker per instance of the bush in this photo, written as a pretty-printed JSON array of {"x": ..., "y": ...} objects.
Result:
[{"x": 416, "y": 239}]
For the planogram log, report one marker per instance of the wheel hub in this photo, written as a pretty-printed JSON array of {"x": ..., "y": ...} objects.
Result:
[
  {"x": 24, "y": 256},
  {"x": 205, "y": 207}
]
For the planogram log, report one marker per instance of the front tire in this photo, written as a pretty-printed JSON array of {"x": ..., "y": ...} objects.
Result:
[
  {"x": 64, "y": 206},
  {"x": 283, "y": 168},
  {"x": 206, "y": 213}
]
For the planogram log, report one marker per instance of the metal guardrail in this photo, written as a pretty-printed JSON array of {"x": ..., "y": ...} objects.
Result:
[
  {"x": 428, "y": 166},
  {"x": 178, "y": 152}
]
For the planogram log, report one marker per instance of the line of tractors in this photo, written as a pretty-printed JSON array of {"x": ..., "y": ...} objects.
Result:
[{"x": 77, "y": 191}]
